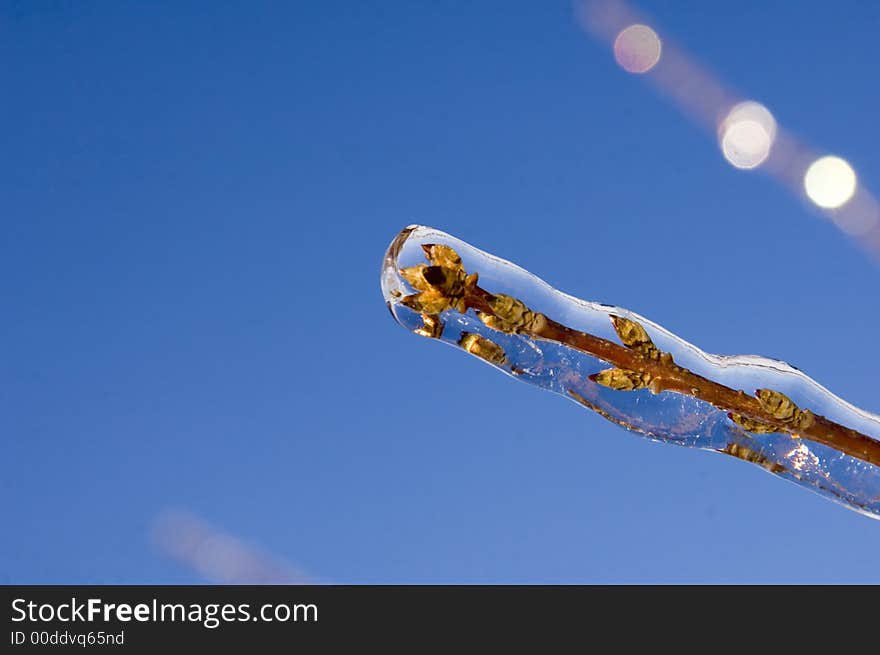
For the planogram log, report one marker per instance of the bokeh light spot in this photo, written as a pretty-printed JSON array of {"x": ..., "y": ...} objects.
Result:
[
  {"x": 637, "y": 49},
  {"x": 830, "y": 182},
  {"x": 747, "y": 134}
]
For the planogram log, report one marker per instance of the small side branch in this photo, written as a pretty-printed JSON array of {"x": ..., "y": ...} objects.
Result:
[{"x": 637, "y": 363}]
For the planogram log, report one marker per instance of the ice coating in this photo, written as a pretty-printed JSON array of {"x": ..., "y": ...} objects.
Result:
[{"x": 800, "y": 431}]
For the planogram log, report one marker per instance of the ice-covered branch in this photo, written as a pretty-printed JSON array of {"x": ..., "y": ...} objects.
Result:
[{"x": 632, "y": 371}]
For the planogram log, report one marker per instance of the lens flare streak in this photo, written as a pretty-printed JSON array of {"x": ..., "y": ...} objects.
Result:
[{"x": 748, "y": 135}]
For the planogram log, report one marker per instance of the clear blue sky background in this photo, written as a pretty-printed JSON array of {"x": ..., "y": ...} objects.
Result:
[{"x": 195, "y": 200}]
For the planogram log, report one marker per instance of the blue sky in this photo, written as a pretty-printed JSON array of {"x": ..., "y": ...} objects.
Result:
[{"x": 195, "y": 201}]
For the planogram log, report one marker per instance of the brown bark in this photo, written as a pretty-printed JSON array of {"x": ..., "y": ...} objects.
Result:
[{"x": 668, "y": 376}]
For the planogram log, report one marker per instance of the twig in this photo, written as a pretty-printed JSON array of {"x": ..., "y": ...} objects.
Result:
[{"x": 444, "y": 285}]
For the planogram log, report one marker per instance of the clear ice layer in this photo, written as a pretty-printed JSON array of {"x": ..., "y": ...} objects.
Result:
[{"x": 666, "y": 416}]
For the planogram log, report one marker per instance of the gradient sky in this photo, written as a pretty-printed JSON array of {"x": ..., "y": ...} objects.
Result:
[{"x": 195, "y": 200}]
